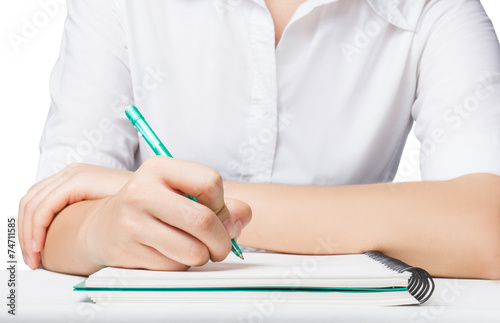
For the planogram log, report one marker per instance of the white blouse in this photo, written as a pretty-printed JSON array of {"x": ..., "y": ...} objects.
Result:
[{"x": 331, "y": 105}]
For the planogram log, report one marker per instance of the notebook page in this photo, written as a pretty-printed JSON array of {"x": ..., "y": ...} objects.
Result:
[{"x": 261, "y": 269}]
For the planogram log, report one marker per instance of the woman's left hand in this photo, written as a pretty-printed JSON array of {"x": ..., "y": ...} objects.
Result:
[{"x": 44, "y": 200}]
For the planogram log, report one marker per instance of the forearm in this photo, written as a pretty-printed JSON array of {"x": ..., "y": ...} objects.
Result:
[
  {"x": 65, "y": 247},
  {"x": 450, "y": 228}
]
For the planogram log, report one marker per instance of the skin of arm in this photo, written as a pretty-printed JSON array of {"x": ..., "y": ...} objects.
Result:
[
  {"x": 65, "y": 245},
  {"x": 450, "y": 228}
]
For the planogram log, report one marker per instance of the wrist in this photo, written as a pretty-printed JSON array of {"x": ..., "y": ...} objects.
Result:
[{"x": 87, "y": 238}]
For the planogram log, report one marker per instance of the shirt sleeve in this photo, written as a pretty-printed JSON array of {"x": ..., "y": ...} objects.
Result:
[
  {"x": 457, "y": 106},
  {"x": 90, "y": 86}
]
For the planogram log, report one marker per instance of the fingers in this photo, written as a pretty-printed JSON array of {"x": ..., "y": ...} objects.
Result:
[
  {"x": 144, "y": 257},
  {"x": 175, "y": 210},
  {"x": 48, "y": 205},
  {"x": 27, "y": 207},
  {"x": 191, "y": 178},
  {"x": 196, "y": 220},
  {"x": 74, "y": 185},
  {"x": 123, "y": 236},
  {"x": 173, "y": 243},
  {"x": 194, "y": 179}
]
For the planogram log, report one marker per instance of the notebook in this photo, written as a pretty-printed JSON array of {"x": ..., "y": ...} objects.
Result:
[{"x": 361, "y": 279}]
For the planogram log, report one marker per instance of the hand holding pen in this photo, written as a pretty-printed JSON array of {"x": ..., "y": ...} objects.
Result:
[
  {"x": 149, "y": 224},
  {"x": 157, "y": 146}
]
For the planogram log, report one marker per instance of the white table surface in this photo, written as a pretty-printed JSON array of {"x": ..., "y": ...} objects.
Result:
[{"x": 45, "y": 296}]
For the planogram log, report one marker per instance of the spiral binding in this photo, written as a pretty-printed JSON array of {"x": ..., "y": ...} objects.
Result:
[{"x": 420, "y": 284}]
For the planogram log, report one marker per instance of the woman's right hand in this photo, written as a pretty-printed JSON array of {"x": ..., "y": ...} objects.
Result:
[{"x": 151, "y": 224}]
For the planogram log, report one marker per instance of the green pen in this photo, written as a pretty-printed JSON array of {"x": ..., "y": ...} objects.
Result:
[{"x": 154, "y": 142}]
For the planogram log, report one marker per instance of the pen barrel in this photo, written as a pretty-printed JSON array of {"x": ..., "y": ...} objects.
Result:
[
  {"x": 146, "y": 131},
  {"x": 150, "y": 136}
]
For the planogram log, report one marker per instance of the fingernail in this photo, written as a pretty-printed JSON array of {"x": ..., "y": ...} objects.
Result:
[
  {"x": 239, "y": 226},
  {"x": 230, "y": 227},
  {"x": 33, "y": 245}
]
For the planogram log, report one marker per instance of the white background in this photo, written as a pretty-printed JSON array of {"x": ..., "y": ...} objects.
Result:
[{"x": 24, "y": 77}]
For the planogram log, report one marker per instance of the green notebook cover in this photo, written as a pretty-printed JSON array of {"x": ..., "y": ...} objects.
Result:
[{"x": 81, "y": 287}]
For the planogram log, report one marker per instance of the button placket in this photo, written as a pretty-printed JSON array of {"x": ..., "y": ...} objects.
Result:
[{"x": 263, "y": 117}]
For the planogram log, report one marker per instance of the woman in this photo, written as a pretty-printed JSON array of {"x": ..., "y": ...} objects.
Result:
[{"x": 293, "y": 111}]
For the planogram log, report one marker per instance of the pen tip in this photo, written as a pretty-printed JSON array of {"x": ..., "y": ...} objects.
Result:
[{"x": 241, "y": 256}]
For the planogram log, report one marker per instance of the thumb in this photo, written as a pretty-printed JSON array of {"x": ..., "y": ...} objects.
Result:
[{"x": 239, "y": 211}]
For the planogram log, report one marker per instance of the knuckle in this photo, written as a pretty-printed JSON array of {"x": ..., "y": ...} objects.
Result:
[
  {"x": 214, "y": 181},
  {"x": 31, "y": 191},
  {"x": 129, "y": 221},
  {"x": 40, "y": 218},
  {"x": 68, "y": 172},
  {"x": 27, "y": 241},
  {"x": 134, "y": 193},
  {"x": 129, "y": 224},
  {"x": 225, "y": 250},
  {"x": 70, "y": 169},
  {"x": 73, "y": 166},
  {"x": 36, "y": 220},
  {"x": 152, "y": 162},
  {"x": 22, "y": 204},
  {"x": 205, "y": 220},
  {"x": 148, "y": 162},
  {"x": 29, "y": 207},
  {"x": 198, "y": 254}
]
